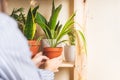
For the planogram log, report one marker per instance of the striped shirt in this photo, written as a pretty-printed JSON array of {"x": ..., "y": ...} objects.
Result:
[{"x": 15, "y": 56}]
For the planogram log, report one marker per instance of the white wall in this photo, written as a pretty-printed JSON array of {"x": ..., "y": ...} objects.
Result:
[
  {"x": 103, "y": 30},
  {"x": 44, "y": 7}
]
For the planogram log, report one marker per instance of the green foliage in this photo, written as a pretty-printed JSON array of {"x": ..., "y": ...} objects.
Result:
[
  {"x": 26, "y": 24},
  {"x": 19, "y": 16},
  {"x": 82, "y": 36},
  {"x": 52, "y": 28},
  {"x": 77, "y": 37},
  {"x": 71, "y": 37},
  {"x": 30, "y": 25}
]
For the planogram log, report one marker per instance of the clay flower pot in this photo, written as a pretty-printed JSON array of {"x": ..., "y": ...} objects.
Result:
[
  {"x": 52, "y": 52},
  {"x": 34, "y": 47}
]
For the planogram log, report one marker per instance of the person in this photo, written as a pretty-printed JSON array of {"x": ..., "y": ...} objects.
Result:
[{"x": 15, "y": 56}]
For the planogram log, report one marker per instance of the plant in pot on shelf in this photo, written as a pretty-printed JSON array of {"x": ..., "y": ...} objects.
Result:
[
  {"x": 75, "y": 37},
  {"x": 28, "y": 26},
  {"x": 54, "y": 31},
  {"x": 70, "y": 48}
]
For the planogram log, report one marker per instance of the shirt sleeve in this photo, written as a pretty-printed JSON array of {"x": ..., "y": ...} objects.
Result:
[
  {"x": 46, "y": 74},
  {"x": 15, "y": 56}
]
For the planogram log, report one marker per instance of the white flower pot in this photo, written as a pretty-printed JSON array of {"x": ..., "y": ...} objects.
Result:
[{"x": 69, "y": 53}]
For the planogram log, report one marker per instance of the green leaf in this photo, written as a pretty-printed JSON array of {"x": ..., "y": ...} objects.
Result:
[
  {"x": 83, "y": 39},
  {"x": 42, "y": 22},
  {"x": 60, "y": 42},
  {"x": 40, "y": 18},
  {"x": 30, "y": 25},
  {"x": 29, "y": 29},
  {"x": 54, "y": 16},
  {"x": 34, "y": 11},
  {"x": 66, "y": 28},
  {"x": 53, "y": 6},
  {"x": 69, "y": 21}
]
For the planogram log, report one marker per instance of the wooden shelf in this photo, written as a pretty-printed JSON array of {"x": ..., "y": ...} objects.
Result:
[{"x": 67, "y": 64}]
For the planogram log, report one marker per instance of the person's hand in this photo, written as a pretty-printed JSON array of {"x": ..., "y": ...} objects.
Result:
[
  {"x": 53, "y": 64},
  {"x": 39, "y": 59}
]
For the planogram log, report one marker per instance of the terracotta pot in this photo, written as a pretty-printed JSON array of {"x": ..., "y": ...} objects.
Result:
[
  {"x": 34, "y": 47},
  {"x": 52, "y": 52}
]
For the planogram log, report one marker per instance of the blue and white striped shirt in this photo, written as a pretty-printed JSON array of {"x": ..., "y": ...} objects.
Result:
[{"x": 15, "y": 56}]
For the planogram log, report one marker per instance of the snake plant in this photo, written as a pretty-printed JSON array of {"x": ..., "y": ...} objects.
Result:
[
  {"x": 30, "y": 24},
  {"x": 26, "y": 24}
]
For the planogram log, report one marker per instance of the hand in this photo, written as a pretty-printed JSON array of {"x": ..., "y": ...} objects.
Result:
[
  {"x": 39, "y": 59},
  {"x": 53, "y": 64}
]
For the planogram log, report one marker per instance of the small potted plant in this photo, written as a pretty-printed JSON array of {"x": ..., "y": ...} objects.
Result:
[
  {"x": 28, "y": 26},
  {"x": 70, "y": 48},
  {"x": 75, "y": 37},
  {"x": 54, "y": 31}
]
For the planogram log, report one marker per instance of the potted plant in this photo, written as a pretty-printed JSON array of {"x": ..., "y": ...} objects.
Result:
[
  {"x": 70, "y": 48},
  {"x": 54, "y": 31},
  {"x": 75, "y": 37},
  {"x": 28, "y": 26}
]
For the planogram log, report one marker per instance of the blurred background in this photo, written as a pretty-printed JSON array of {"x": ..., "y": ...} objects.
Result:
[{"x": 102, "y": 31}]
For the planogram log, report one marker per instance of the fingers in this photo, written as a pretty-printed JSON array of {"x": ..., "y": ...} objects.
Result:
[
  {"x": 40, "y": 53},
  {"x": 53, "y": 64},
  {"x": 39, "y": 59},
  {"x": 45, "y": 58},
  {"x": 40, "y": 56}
]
